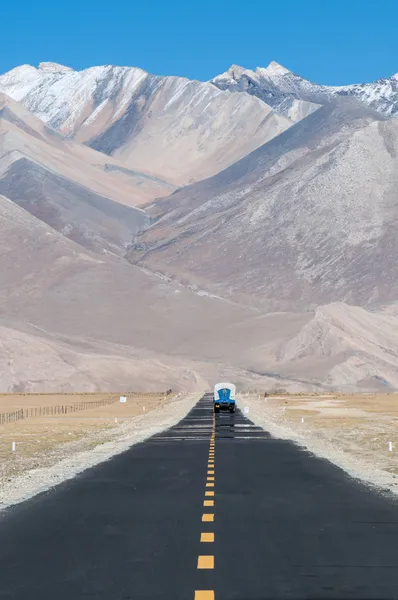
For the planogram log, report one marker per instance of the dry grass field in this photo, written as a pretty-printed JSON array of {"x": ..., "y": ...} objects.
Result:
[
  {"x": 40, "y": 439},
  {"x": 362, "y": 424},
  {"x": 353, "y": 430}
]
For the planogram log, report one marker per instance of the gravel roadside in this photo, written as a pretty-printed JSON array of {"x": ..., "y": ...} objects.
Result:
[
  {"x": 342, "y": 452},
  {"x": 75, "y": 457}
]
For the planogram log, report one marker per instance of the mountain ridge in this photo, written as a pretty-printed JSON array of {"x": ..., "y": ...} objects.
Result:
[
  {"x": 280, "y": 87},
  {"x": 174, "y": 128}
]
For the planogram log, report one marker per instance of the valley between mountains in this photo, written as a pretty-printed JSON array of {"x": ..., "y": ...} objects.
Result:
[{"x": 158, "y": 231}]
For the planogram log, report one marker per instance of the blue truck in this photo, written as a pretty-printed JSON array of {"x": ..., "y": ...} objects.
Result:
[{"x": 224, "y": 397}]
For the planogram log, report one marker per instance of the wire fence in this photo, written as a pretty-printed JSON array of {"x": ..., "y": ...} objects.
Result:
[{"x": 63, "y": 409}]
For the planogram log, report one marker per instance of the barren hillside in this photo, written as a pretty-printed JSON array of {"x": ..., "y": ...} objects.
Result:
[{"x": 306, "y": 219}]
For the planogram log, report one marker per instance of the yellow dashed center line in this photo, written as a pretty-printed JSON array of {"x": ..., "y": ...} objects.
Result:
[
  {"x": 204, "y": 595},
  {"x": 206, "y": 562},
  {"x": 207, "y": 537},
  {"x": 208, "y": 517},
  {"x": 208, "y": 502}
]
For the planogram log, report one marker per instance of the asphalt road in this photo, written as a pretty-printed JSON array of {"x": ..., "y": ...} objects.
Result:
[{"x": 171, "y": 519}]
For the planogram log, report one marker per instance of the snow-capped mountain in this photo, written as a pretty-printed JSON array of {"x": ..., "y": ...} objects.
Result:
[
  {"x": 296, "y": 207},
  {"x": 170, "y": 127},
  {"x": 286, "y": 91}
]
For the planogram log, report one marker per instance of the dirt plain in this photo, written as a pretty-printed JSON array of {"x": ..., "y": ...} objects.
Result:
[
  {"x": 42, "y": 440},
  {"x": 351, "y": 430}
]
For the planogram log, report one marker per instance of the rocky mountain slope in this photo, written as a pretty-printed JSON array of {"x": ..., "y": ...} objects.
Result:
[
  {"x": 73, "y": 316},
  {"x": 307, "y": 219},
  {"x": 347, "y": 345},
  {"x": 295, "y": 97},
  {"x": 169, "y": 127},
  {"x": 76, "y": 190}
]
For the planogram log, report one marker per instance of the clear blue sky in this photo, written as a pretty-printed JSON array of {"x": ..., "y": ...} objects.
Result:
[{"x": 328, "y": 41}]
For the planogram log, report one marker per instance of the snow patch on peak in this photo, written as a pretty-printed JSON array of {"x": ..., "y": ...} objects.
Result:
[
  {"x": 273, "y": 69},
  {"x": 54, "y": 68},
  {"x": 234, "y": 74},
  {"x": 236, "y": 71},
  {"x": 20, "y": 72}
]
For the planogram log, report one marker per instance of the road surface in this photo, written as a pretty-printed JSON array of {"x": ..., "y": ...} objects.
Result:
[{"x": 180, "y": 517}]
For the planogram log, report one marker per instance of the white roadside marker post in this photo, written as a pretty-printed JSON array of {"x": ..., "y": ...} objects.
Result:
[
  {"x": 302, "y": 419},
  {"x": 14, "y": 446},
  {"x": 390, "y": 446}
]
